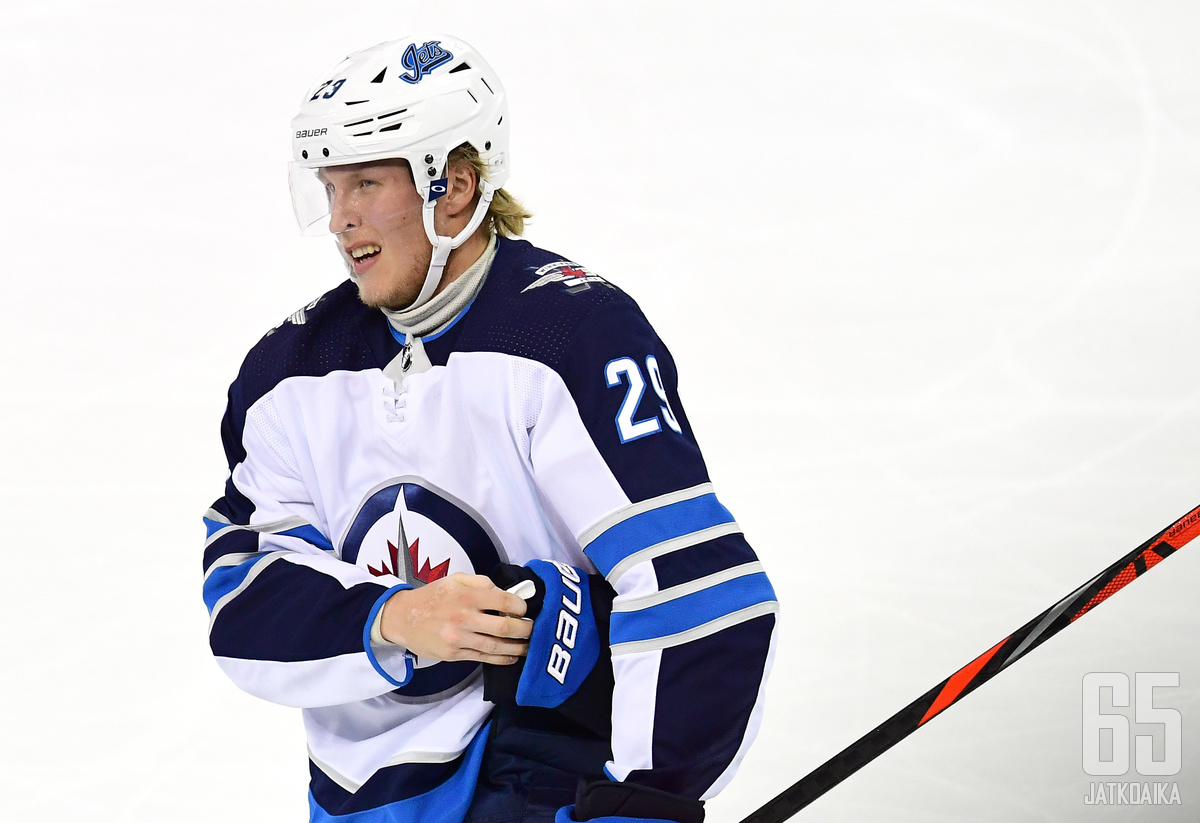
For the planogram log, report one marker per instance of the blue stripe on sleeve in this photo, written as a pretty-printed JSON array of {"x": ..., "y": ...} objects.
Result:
[
  {"x": 691, "y": 610},
  {"x": 309, "y": 534},
  {"x": 224, "y": 580},
  {"x": 211, "y": 527},
  {"x": 655, "y": 526}
]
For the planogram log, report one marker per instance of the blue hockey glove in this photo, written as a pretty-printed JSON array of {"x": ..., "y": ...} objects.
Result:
[
  {"x": 607, "y": 801},
  {"x": 565, "y": 644},
  {"x": 570, "y": 612}
]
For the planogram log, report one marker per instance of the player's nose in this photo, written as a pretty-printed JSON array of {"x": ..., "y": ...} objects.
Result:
[{"x": 343, "y": 214}]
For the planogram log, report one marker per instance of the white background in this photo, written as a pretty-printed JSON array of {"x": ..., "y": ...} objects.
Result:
[{"x": 930, "y": 271}]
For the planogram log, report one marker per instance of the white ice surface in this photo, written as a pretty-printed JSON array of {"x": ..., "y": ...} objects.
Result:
[{"x": 930, "y": 271}]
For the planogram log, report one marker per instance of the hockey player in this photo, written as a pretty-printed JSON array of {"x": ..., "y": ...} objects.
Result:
[{"x": 467, "y": 529}]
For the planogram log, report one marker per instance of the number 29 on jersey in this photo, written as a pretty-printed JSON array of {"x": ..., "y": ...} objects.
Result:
[{"x": 626, "y": 370}]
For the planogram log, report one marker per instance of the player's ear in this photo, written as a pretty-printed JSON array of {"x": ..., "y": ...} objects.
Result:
[{"x": 461, "y": 184}]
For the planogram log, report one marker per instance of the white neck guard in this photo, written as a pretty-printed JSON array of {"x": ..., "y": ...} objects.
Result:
[{"x": 432, "y": 315}]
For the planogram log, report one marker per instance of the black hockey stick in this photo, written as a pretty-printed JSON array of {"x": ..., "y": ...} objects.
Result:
[{"x": 983, "y": 668}]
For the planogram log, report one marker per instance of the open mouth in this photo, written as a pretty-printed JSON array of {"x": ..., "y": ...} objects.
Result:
[{"x": 361, "y": 254}]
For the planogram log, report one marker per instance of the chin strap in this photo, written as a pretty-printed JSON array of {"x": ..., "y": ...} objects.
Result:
[{"x": 443, "y": 245}]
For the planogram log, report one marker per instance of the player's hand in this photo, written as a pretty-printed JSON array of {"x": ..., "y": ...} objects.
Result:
[{"x": 449, "y": 619}]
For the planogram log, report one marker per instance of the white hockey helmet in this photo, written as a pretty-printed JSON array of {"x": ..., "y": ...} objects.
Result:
[{"x": 416, "y": 99}]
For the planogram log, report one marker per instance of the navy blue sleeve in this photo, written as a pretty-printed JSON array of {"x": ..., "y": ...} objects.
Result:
[{"x": 694, "y": 619}]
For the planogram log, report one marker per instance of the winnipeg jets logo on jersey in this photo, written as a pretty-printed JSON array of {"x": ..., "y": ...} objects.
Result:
[
  {"x": 404, "y": 561},
  {"x": 421, "y": 61},
  {"x": 576, "y": 278},
  {"x": 409, "y": 529}
]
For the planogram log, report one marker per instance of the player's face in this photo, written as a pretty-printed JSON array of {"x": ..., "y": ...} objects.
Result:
[{"x": 375, "y": 213}]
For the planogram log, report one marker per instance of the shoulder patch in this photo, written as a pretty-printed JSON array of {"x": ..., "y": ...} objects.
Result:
[
  {"x": 298, "y": 318},
  {"x": 575, "y": 278}
]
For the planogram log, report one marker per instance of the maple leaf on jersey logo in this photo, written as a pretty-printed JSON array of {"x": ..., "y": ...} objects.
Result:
[
  {"x": 425, "y": 574},
  {"x": 575, "y": 278}
]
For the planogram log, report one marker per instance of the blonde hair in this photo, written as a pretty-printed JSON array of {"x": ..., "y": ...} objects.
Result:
[{"x": 505, "y": 216}]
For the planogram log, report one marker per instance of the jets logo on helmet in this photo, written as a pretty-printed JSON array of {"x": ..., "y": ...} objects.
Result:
[{"x": 420, "y": 62}]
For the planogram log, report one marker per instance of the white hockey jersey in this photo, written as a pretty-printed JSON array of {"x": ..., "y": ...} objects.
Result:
[{"x": 548, "y": 426}]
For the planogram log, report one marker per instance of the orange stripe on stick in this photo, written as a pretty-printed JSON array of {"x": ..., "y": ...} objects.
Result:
[
  {"x": 1127, "y": 576},
  {"x": 1182, "y": 532},
  {"x": 960, "y": 680}
]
